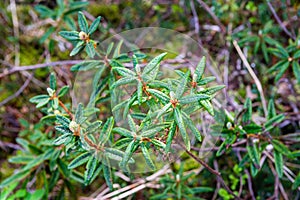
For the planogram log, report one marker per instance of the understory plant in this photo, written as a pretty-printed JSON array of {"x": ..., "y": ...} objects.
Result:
[{"x": 81, "y": 148}]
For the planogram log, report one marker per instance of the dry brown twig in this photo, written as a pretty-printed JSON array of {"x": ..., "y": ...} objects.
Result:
[
  {"x": 149, "y": 181},
  {"x": 253, "y": 75}
]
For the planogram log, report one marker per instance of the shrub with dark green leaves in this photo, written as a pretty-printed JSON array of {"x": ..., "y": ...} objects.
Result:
[{"x": 158, "y": 111}]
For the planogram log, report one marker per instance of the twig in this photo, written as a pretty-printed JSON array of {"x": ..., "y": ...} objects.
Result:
[
  {"x": 140, "y": 184},
  {"x": 196, "y": 19},
  {"x": 215, "y": 18},
  {"x": 218, "y": 183},
  {"x": 276, "y": 184},
  {"x": 15, "y": 21},
  {"x": 37, "y": 66},
  {"x": 249, "y": 181},
  {"x": 253, "y": 75},
  {"x": 279, "y": 21},
  {"x": 21, "y": 89},
  {"x": 218, "y": 174}
]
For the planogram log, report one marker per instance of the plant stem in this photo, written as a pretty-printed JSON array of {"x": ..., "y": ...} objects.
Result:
[
  {"x": 218, "y": 174},
  {"x": 66, "y": 109}
]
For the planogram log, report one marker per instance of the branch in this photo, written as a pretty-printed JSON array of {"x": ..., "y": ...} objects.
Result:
[
  {"x": 279, "y": 21},
  {"x": 204, "y": 164},
  {"x": 37, "y": 66},
  {"x": 18, "y": 92},
  {"x": 253, "y": 75}
]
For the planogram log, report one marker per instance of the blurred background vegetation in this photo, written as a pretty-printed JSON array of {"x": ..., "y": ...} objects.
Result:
[{"x": 267, "y": 32}]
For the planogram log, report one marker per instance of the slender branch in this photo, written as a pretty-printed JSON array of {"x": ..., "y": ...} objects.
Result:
[
  {"x": 204, "y": 164},
  {"x": 279, "y": 21},
  {"x": 66, "y": 109},
  {"x": 37, "y": 66},
  {"x": 253, "y": 75},
  {"x": 15, "y": 21},
  {"x": 21, "y": 89},
  {"x": 212, "y": 14}
]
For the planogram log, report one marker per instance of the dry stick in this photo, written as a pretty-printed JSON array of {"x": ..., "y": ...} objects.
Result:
[
  {"x": 37, "y": 66},
  {"x": 18, "y": 92},
  {"x": 279, "y": 21},
  {"x": 204, "y": 164},
  {"x": 131, "y": 187},
  {"x": 253, "y": 75},
  {"x": 276, "y": 184},
  {"x": 15, "y": 21},
  {"x": 215, "y": 18}
]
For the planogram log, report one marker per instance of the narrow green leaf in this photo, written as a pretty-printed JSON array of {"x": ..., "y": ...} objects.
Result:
[
  {"x": 273, "y": 121},
  {"x": 281, "y": 71},
  {"x": 221, "y": 149},
  {"x": 277, "y": 66},
  {"x": 247, "y": 116},
  {"x": 90, "y": 169},
  {"x": 116, "y": 154},
  {"x": 213, "y": 90},
  {"x": 70, "y": 35},
  {"x": 79, "y": 114},
  {"x": 271, "y": 109},
  {"x": 160, "y": 95},
  {"x": 63, "y": 130},
  {"x": 124, "y": 132},
  {"x": 77, "y": 176},
  {"x": 15, "y": 178},
  {"x": 117, "y": 52},
  {"x": 181, "y": 126},
  {"x": 206, "y": 80},
  {"x": 90, "y": 49},
  {"x": 207, "y": 106},
  {"x": 124, "y": 71},
  {"x": 140, "y": 92},
  {"x": 278, "y": 163},
  {"x": 87, "y": 65},
  {"x": 106, "y": 130},
  {"x": 147, "y": 157},
  {"x": 83, "y": 25},
  {"x": 200, "y": 68},
  {"x": 108, "y": 175},
  {"x": 193, "y": 98},
  {"x": 151, "y": 132},
  {"x": 296, "y": 183},
  {"x": 63, "y": 120},
  {"x": 39, "y": 98},
  {"x": 296, "y": 70},
  {"x": 188, "y": 121},
  {"x": 253, "y": 153},
  {"x": 78, "y": 48},
  {"x": 94, "y": 25},
  {"x": 164, "y": 110},
  {"x": 154, "y": 63},
  {"x": 94, "y": 126},
  {"x": 64, "y": 90},
  {"x": 20, "y": 159},
  {"x": 79, "y": 160},
  {"x": 35, "y": 162},
  {"x": 63, "y": 139},
  {"x": 265, "y": 51},
  {"x": 182, "y": 85},
  {"x": 128, "y": 154},
  {"x": 170, "y": 137},
  {"x": 280, "y": 53},
  {"x": 280, "y": 147},
  {"x": 121, "y": 143},
  {"x": 52, "y": 81},
  {"x": 131, "y": 124},
  {"x": 158, "y": 143},
  {"x": 123, "y": 81}
]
